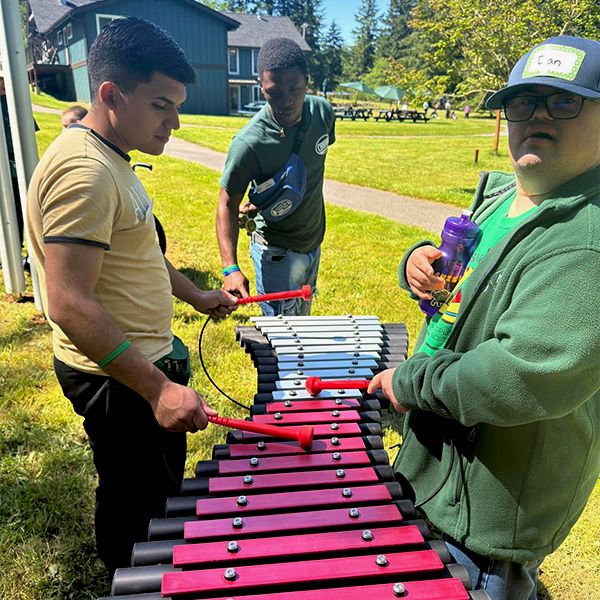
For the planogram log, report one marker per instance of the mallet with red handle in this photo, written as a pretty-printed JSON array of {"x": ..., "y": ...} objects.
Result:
[
  {"x": 315, "y": 385},
  {"x": 305, "y": 292},
  {"x": 304, "y": 434}
]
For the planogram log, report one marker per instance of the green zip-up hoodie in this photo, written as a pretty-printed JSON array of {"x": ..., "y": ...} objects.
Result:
[{"x": 510, "y": 409}]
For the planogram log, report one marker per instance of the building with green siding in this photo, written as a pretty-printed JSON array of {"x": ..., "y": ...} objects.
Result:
[{"x": 62, "y": 31}]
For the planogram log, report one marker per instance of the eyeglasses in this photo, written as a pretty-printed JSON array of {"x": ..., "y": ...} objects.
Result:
[{"x": 559, "y": 106}]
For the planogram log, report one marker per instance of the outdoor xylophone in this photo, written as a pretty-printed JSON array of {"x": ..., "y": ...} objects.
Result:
[{"x": 268, "y": 519}]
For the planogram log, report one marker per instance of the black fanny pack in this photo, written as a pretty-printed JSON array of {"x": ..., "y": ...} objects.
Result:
[{"x": 176, "y": 364}]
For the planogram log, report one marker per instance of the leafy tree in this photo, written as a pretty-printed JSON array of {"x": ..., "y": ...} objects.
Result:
[
  {"x": 470, "y": 46},
  {"x": 332, "y": 51},
  {"x": 362, "y": 53}
]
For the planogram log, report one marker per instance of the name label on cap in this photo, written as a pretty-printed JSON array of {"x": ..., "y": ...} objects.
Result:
[{"x": 554, "y": 60}]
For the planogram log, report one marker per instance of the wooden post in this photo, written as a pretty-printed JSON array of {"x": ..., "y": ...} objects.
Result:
[
  {"x": 476, "y": 158},
  {"x": 497, "y": 134}
]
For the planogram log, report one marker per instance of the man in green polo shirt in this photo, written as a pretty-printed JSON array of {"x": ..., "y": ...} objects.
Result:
[{"x": 286, "y": 253}]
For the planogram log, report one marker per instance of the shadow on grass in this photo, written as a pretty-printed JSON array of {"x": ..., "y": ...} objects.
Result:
[
  {"x": 46, "y": 514},
  {"x": 26, "y": 331}
]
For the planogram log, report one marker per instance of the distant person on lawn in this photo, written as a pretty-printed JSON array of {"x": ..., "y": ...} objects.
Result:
[
  {"x": 73, "y": 115},
  {"x": 501, "y": 440},
  {"x": 286, "y": 253},
  {"x": 108, "y": 289}
]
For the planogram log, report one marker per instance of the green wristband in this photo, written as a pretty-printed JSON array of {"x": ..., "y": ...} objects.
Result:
[
  {"x": 114, "y": 354},
  {"x": 230, "y": 269}
]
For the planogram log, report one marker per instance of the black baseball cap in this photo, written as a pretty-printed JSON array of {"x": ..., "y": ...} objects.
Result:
[{"x": 571, "y": 64}]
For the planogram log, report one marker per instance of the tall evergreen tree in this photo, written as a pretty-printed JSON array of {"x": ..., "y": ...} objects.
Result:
[
  {"x": 362, "y": 53},
  {"x": 332, "y": 50},
  {"x": 395, "y": 39}
]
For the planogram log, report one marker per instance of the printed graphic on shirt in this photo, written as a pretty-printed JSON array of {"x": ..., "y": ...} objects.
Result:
[
  {"x": 322, "y": 144},
  {"x": 142, "y": 205}
]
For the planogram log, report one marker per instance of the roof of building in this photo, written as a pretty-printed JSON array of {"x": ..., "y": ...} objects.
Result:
[
  {"x": 255, "y": 30},
  {"x": 49, "y": 13}
]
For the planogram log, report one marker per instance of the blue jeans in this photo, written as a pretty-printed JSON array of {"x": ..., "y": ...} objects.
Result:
[
  {"x": 280, "y": 269},
  {"x": 501, "y": 579}
]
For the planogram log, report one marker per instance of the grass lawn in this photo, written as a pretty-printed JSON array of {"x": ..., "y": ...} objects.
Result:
[
  {"x": 46, "y": 472},
  {"x": 433, "y": 161}
]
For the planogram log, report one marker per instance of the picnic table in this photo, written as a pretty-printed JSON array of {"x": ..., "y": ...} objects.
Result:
[
  {"x": 352, "y": 113},
  {"x": 396, "y": 114}
]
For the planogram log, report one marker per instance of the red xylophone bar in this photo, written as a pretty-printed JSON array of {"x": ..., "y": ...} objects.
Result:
[{"x": 304, "y": 292}]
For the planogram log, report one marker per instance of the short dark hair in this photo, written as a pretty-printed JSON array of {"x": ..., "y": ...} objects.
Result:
[
  {"x": 281, "y": 53},
  {"x": 77, "y": 110},
  {"x": 129, "y": 51}
]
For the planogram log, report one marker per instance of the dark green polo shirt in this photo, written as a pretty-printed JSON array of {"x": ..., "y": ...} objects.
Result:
[{"x": 263, "y": 147}]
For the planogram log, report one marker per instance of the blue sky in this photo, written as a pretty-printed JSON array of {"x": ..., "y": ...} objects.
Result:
[{"x": 343, "y": 11}]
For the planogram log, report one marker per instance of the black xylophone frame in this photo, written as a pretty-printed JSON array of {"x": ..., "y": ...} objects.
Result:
[{"x": 267, "y": 520}]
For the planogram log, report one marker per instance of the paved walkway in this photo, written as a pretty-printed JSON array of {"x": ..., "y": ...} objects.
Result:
[{"x": 409, "y": 211}]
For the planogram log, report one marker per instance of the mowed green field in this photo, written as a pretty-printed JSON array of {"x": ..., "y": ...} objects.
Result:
[
  {"x": 46, "y": 472},
  {"x": 432, "y": 161}
]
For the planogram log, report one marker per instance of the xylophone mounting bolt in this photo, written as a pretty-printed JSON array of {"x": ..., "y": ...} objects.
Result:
[
  {"x": 290, "y": 328},
  {"x": 335, "y": 441},
  {"x": 294, "y": 334},
  {"x": 293, "y": 393},
  {"x": 287, "y": 403},
  {"x": 242, "y": 500},
  {"x": 230, "y": 574},
  {"x": 233, "y": 546},
  {"x": 300, "y": 363},
  {"x": 300, "y": 348},
  {"x": 297, "y": 381},
  {"x": 278, "y": 416},
  {"x": 340, "y": 473},
  {"x": 338, "y": 401},
  {"x": 357, "y": 346},
  {"x": 351, "y": 371},
  {"x": 335, "y": 413},
  {"x": 382, "y": 561},
  {"x": 367, "y": 535},
  {"x": 341, "y": 392},
  {"x": 355, "y": 362},
  {"x": 336, "y": 456},
  {"x": 347, "y": 493},
  {"x": 357, "y": 354},
  {"x": 254, "y": 462},
  {"x": 399, "y": 590},
  {"x": 297, "y": 341},
  {"x": 299, "y": 372},
  {"x": 301, "y": 355},
  {"x": 248, "y": 479},
  {"x": 260, "y": 445},
  {"x": 334, "y": 426},
  {"x": 238, "y": 522},
  {"x": 354, "y": 513}
]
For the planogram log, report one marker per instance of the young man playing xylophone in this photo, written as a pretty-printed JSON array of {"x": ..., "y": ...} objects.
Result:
[
  {"x": 108, "y": 289},
  {"x": 502, "y": 431},
  {"x": 285, "y": 144}
]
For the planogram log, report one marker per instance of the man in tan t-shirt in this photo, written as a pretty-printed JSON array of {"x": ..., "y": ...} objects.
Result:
[{"x": 107, "y": 289}]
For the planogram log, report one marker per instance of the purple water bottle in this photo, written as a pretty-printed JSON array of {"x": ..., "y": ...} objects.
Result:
[{"x": 459, "y": 239}]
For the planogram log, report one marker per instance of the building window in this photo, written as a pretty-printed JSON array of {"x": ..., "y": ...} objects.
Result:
[
  {"x": 68, "y": 31},
  {"x": 59, "y": 38},
  {"x": 102, "y": 20},
  {"x": 254, "y": 61},
  {"x": 256, "y": 95},
  {"x": 234, "y": 61}
]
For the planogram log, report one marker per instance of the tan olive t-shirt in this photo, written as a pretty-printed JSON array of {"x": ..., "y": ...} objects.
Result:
[{"x": 84, "y": 191}]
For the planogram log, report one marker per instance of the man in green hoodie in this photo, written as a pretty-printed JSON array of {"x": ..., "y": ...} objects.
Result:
[{"x": 502, "y": 432}]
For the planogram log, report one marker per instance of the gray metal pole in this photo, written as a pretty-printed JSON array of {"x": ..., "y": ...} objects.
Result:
[
  {"x": 10, "y": 243},
  {"x": 20, "y": 113}
]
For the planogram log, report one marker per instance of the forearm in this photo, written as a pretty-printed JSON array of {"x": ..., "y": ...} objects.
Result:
[
  {"x": 182, "y": 287},
  {"x": 227, "y": 227}
]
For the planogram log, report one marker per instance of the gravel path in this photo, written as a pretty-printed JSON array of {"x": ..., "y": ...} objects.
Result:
[{"x": 408, "y": 211}]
